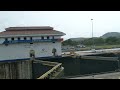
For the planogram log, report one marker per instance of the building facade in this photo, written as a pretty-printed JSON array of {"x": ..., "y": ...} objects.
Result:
[{"x": 25, "y": 42}]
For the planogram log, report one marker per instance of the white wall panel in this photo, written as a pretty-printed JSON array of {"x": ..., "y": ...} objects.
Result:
[{"x": 21, "y": 51}]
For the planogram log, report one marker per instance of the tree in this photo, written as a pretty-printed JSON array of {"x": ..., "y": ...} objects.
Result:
[
  {"x": 87, "y": 41},
  {"x": 112, "y": 40},
  {"x": 99, "y": 41},
  {"x": 69, "y": 42}
]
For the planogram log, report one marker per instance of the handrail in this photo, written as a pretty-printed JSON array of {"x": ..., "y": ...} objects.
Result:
[
  {"x": 100, "y": 58},
  {"x": 51, "y": 72},
  {"x": 46, "y": 62}
]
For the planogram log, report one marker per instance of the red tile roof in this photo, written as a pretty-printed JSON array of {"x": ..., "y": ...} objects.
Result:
[
  {"x": 30, "y": 28},
  {"x": 30, "y": 31}
]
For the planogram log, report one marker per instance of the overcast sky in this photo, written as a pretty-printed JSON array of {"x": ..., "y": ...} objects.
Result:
[{"x": 73, "y": 23}]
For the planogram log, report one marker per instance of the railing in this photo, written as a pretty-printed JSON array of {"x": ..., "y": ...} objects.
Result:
[
  {"x": 52, "y": 73},
  {"x": 100, "y": 58},
  {"x": 46, "y": 63}
]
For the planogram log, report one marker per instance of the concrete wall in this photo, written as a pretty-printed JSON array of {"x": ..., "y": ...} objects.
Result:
[
  {"x": 21, "y": 51},
  {"x": 77, "y": 66},
  {"x": 16, "y": 70}
]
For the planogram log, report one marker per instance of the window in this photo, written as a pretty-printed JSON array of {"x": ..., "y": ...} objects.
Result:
[
  {"x": 30, "y": 38},
  {"x": 6, "y": 39},
  {"x": 48, "y": 37},
  {"x": 18, "y": 38},
  {"x": 24, "y": 38},
  {"x": 12, "y": 39},
  {"x": 54, "y": 51},
  {"x": 53, "y": 37},
  {"x": 42, "y": 37}
]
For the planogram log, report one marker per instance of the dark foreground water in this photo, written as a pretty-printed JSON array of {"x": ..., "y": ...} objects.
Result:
[{"x": 77, "y": 66}]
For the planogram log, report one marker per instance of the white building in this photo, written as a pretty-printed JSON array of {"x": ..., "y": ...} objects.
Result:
[{"x": 19, "y": 42}]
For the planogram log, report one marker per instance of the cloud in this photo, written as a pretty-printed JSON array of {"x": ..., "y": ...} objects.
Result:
[{"x": 73, "y": 23}]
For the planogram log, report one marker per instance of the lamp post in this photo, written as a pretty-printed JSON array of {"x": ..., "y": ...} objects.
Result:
[{"x": 92, "y": 34}]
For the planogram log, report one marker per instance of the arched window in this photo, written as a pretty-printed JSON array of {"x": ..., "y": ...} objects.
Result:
[{"x": 54, "y": 51}]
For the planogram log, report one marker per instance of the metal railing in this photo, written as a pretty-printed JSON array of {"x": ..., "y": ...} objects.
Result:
[
  {"x": 46, "y": 62},
  {"x": 52, "y": 73},
  {"x": 100, "y": 58}
]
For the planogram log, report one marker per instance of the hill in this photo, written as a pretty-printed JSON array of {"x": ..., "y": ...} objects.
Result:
[
  {"x": 111, "y": 34},
  {"x": 106, "y": 35}
]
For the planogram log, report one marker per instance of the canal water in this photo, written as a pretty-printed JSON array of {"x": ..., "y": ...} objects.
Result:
[{"x": 78, "y": 66}]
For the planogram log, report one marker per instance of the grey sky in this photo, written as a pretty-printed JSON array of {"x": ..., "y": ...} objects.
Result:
[{"x": 73, "y": 23}]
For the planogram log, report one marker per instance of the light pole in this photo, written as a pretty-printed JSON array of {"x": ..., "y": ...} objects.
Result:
[{"x": 92, "y": 34}]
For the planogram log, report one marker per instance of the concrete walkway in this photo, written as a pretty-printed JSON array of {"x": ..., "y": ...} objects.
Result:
[{"x": 114, "y": 75}]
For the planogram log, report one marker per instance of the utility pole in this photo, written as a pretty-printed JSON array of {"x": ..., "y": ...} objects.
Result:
[{"x": 92, "y": 35}]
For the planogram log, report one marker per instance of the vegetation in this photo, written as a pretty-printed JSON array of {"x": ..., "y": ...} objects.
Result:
[
  {"x": 70, "y": 42},
  {"x": 110, "y": 42}
]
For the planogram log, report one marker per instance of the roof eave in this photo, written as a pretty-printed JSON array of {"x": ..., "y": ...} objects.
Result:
[{"x": 32, "y": 35}]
